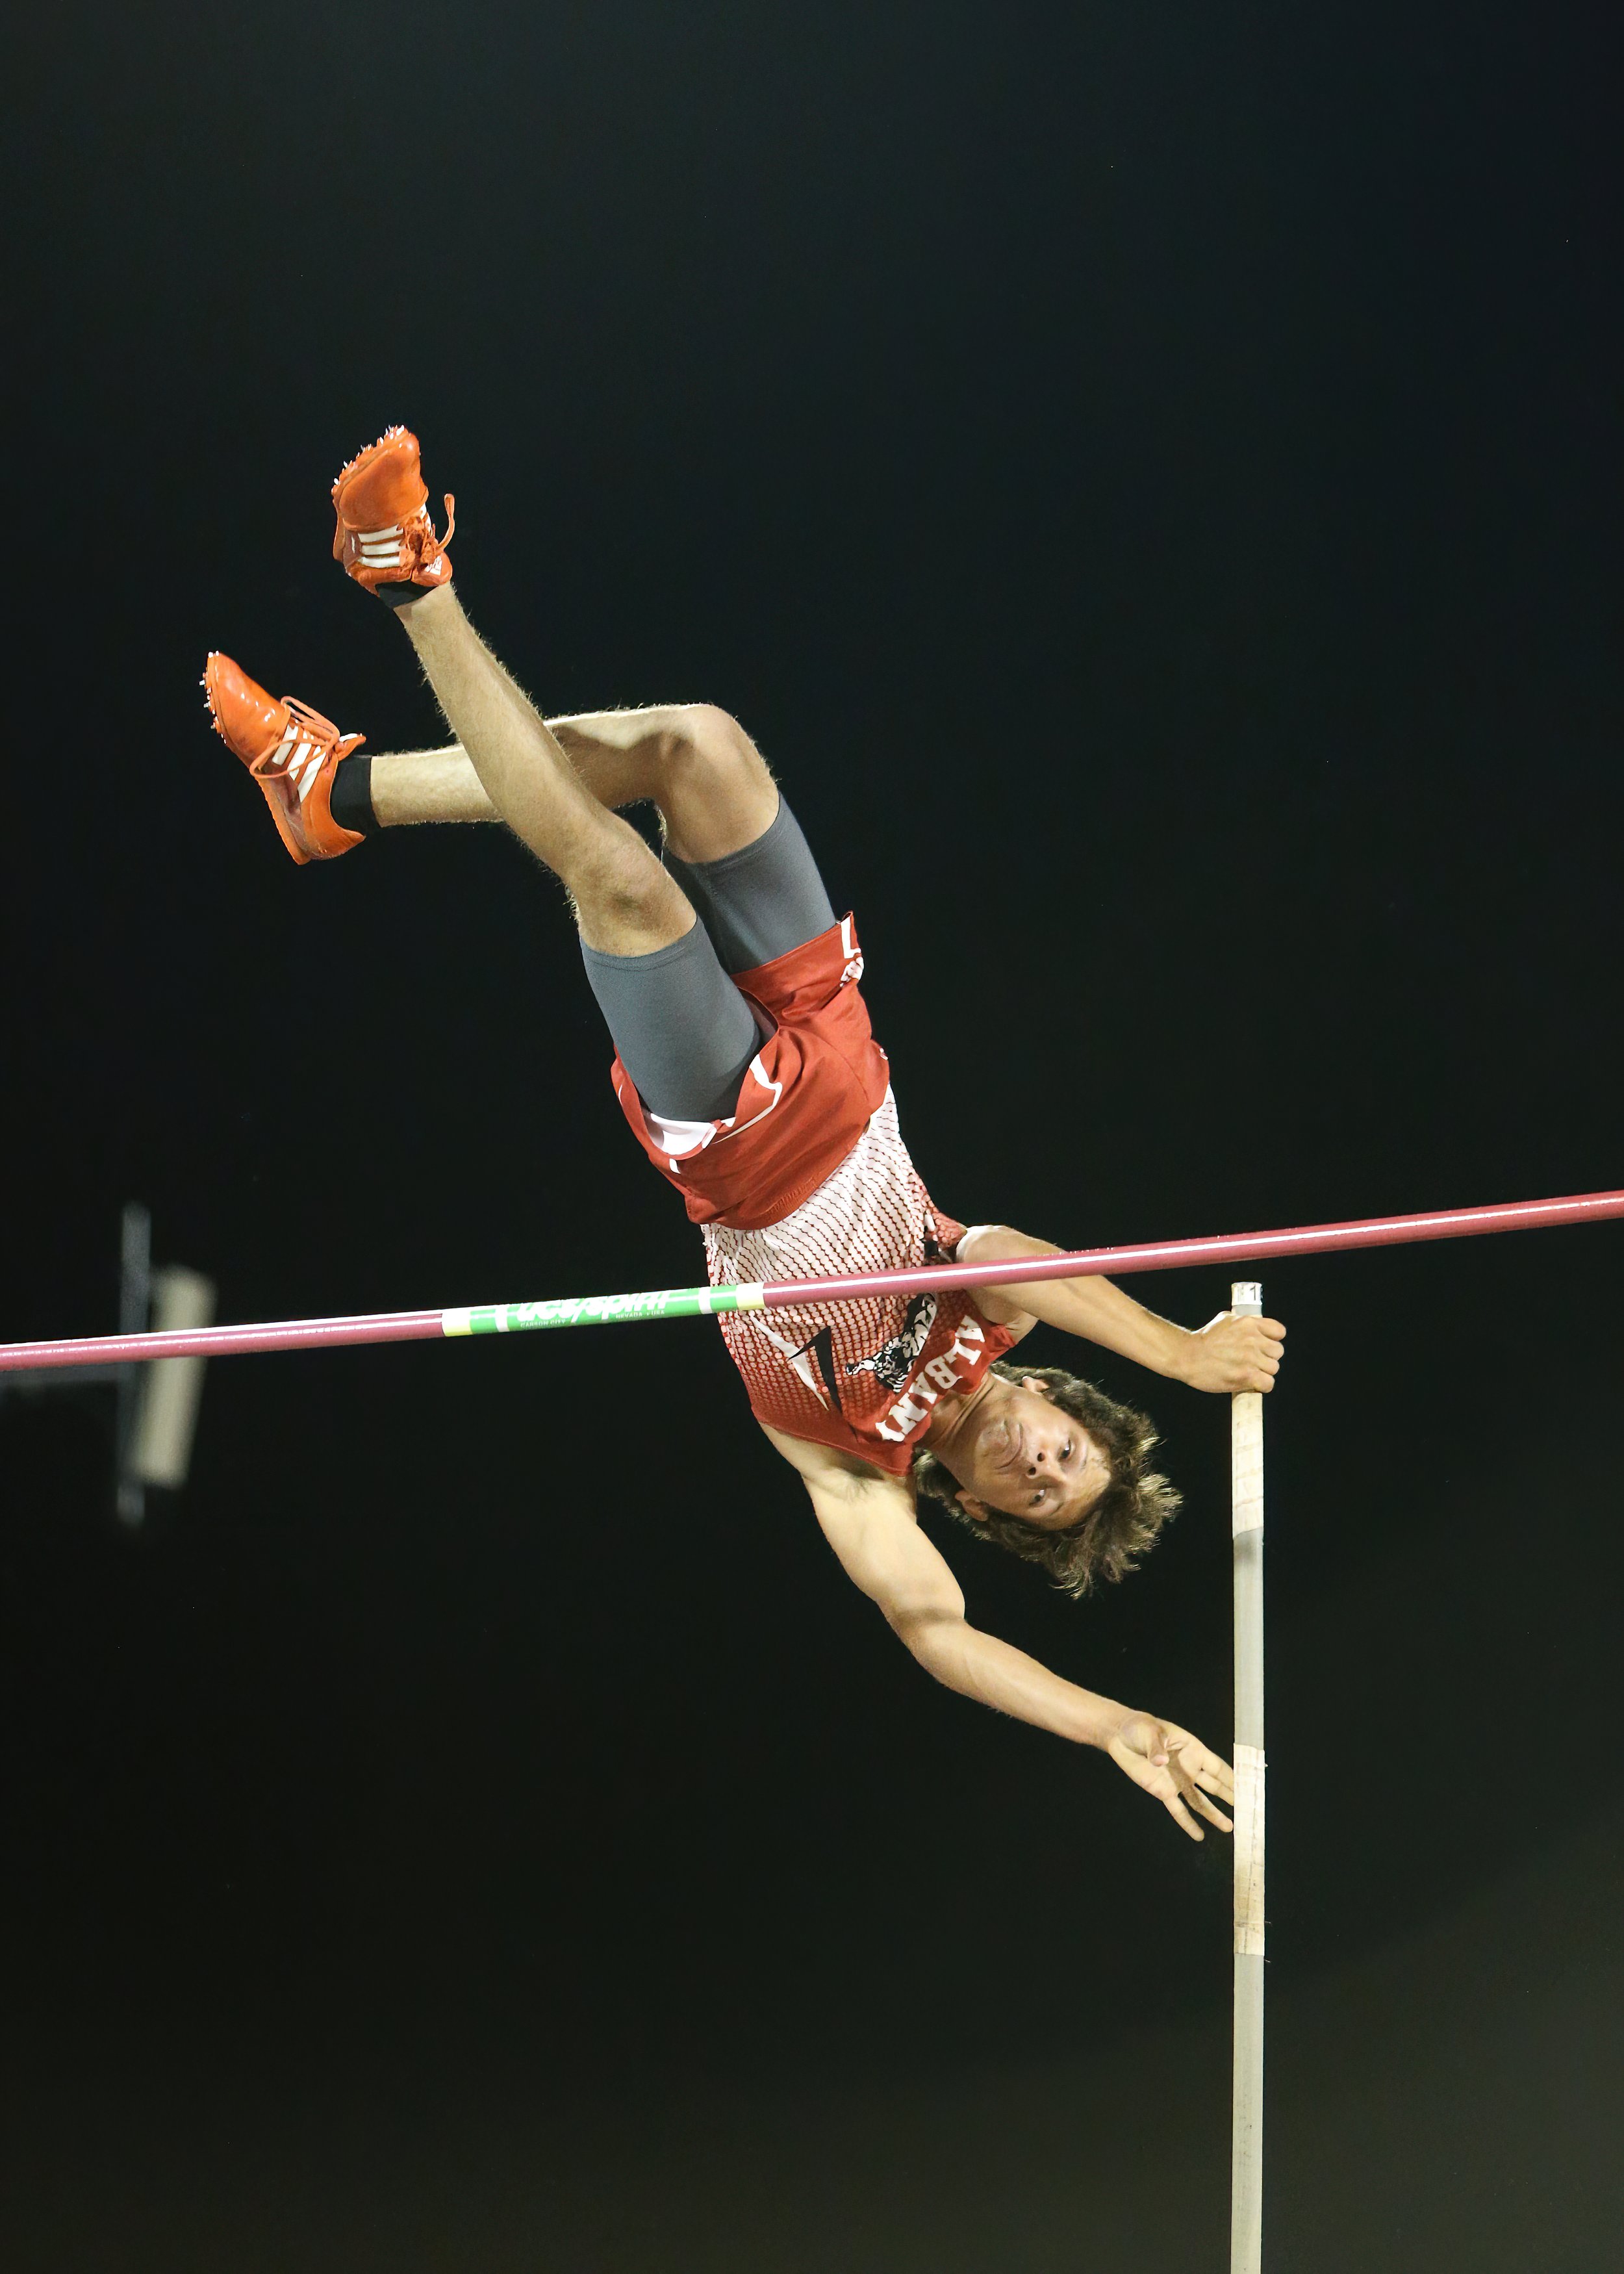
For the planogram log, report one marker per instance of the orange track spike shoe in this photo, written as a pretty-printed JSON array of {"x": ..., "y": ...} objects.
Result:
[
  {"x": 291, "y": 751},
  {"x": 384, "y": 534}
]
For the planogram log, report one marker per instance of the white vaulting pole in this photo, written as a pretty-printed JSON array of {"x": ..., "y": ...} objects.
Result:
[{"x": 1246, "y": 2121}]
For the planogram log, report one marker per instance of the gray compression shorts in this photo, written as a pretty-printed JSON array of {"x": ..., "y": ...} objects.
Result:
[{"x": 684, "y": 1032}]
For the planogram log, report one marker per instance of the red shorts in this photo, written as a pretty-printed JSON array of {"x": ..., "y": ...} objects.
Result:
[{"x": 806, "y": 1097}]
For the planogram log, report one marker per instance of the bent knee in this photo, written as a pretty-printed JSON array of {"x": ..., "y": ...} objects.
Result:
[
  {"x": 706, "y": 731},
  {"x": 719, "y": 794}
]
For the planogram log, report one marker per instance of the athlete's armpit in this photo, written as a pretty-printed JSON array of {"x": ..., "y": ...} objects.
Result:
[{"x": 826, "y": 1465}]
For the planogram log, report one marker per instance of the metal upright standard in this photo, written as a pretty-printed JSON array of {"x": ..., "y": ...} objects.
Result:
[
  {"x": 134, "y": 1309},
  {"x": 157, "y": 1389},
  {"x": 1246, "y": 1526}
]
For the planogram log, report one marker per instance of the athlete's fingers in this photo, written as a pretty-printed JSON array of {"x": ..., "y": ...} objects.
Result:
[
  {"x": 1199, "y": 1801},
  {"x": 1213, "y": 1777},
  {"x": 1182, "y": 1817},
  {"x": 1273, "y": 1327},
  {"x": 1207, "y": 1769},
  {"x": 1189, "y": 1796},
  {"x": 1192, "y": 1781}
]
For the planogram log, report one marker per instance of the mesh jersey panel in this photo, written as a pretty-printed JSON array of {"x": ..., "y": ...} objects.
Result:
[{"x": 861, "y": 1376}]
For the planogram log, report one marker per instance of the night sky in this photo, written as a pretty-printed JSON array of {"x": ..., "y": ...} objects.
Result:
[{"x": 1148, "y": 478}]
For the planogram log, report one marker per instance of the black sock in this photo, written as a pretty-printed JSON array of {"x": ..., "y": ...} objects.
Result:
[
  {"x": 351, "y": 796},
  {"x": 400, "y": 596}
]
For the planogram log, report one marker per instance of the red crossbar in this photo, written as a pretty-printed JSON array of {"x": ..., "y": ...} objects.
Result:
[{"x": 1162, "y": 1256}]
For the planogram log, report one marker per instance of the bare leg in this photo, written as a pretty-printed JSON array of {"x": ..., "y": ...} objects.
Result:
[
  {"x": 409, "y": 787},
  {"x": 711, "y": 785},
  {"x": 626, "y": 903}
]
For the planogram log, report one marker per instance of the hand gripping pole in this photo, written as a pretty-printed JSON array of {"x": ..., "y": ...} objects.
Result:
[{"x": 1246, "y": 1525}]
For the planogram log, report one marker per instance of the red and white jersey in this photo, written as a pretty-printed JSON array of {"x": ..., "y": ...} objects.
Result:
[
  {"x": 860, "y": 1376},
  {"x": 806, "y": 1099}
]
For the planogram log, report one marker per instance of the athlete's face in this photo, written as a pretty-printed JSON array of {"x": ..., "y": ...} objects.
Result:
[{"x": 1023, "y": 1455}]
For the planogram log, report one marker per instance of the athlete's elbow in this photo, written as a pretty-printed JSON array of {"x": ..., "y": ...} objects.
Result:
[{"x": 933, "y": 1634}]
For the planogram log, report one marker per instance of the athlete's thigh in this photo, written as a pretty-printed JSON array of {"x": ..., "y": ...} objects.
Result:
[
  {"x": 735, "y": 847},
  {"x": 682, "y": 1028},
  {"x": 760, "y": 901}
]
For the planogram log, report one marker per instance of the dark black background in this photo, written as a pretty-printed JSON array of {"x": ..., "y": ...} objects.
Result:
[{"x": 1148, "y": 479}]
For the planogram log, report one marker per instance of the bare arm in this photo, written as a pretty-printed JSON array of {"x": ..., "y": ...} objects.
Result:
[
  {"x": 1226, "y": 1355},
  {"x": 876, "y": 1535},
  {"x": 868, "y": 1519}
]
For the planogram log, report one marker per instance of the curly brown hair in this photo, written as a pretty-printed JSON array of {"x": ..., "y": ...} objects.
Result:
[{"x": 1106, "y": 1543}]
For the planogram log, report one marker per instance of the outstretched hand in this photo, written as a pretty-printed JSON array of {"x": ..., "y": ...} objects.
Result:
[
  {"x": 1234, "y": 1352},
  {"x": 1175, "y": 1768}
]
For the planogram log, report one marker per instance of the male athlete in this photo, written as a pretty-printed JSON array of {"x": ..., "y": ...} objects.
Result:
[{"x": 745, "y": 1065}]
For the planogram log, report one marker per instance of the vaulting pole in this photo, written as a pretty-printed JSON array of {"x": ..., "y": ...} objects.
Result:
[
  {"x": 1246, "y": 1526},
  {"x": 844, "y": 1287}
]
